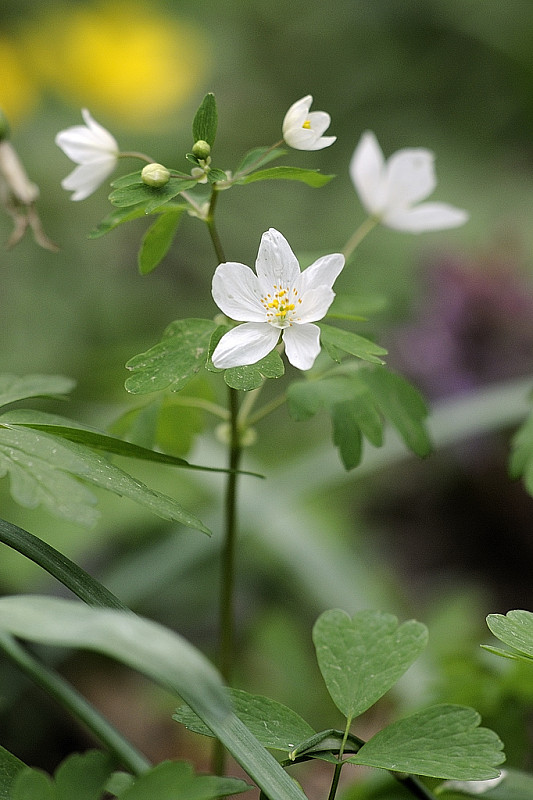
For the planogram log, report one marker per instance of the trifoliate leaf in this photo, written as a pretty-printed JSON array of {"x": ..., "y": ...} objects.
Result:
[
  {"x": 335, "y": 339},
  {"x": 515, "y": 629},
  {"x": 157, "y": 240},
  {"x": 362, "y": 657},
  {"x": 309, "y": 176},
  {"x": 14, "y": 388},
  {"x": 174, "y": 361},
  {"x": 150, "y": 197},
  {"x": 253, "y": 375},
  {"x": 442, "y": 741},
  {"x": 204, "y": 126}
]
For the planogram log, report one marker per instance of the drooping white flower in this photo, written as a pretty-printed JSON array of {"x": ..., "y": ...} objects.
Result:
[
  {"x": 94, "y": 149},
  {"x": 303, "y": 129},
  {"x": 278, "y": 300},
  {"x": 391, "y": 190}
]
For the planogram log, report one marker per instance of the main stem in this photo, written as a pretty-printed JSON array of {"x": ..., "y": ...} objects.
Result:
[{"x": 227, "y": 578}]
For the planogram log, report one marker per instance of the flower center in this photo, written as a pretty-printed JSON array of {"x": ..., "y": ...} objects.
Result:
[
  {"x": 280, "y": 306},
  {"x": 307, "y": 125}
]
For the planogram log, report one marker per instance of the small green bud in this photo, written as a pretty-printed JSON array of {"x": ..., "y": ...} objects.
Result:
[
  {"x": 201, "y": 149},
  {"x": 155, "y": 175},
  {"x": 4, "y": 127}
]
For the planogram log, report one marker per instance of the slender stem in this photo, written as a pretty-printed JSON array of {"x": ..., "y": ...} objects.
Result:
[
  {"x": 276, "y": 402},
  {"x": 357, "y": 237},
  {"x": 210, "y": 221},
  {"x": 338, "y": 767},
  {"x": 205, "y": 405},
  {"x": 414, "y": 786},
  {"x": 136, "y": 154},
  {"x": 76, "y": 704},
  {"x": 258, "y": 160}
]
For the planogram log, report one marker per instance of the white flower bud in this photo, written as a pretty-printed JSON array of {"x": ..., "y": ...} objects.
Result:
[{"x": 155, "y": 175}]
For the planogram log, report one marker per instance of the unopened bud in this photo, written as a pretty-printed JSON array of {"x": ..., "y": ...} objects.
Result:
[
  {"x": 201, "y": 149},
  {"x": 155, "y": 175}
]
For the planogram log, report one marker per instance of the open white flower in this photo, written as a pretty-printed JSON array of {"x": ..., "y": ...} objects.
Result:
[
  {"x": 303, "y": 129},
  {"x": 389, "y": 190},
  {"x": 279, "y": 299},
  {"x": 94, "y": 149}
]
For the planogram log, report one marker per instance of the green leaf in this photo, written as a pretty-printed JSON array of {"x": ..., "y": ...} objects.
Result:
[
  {"x": 161, "y": 655},
  {"x": 311, "y": 177},
  {"x": 149, "y": 196},
  {"x": 157, "y": 240},
  {"x": 14, "y": 388},
  {"x": 402, "y": 405},
  {"x": 32, "y": 784},
  {"x": 252, "y": 376},
  {"x": 176, "y": 779},
  {"x": 512, "y": 784},
  {"x": 335, "y": 339},
  {"x": 130, "y": 179},
  {"x": 83, "y": 776},
  {"x": 362, "y": 657},
  {"x": 442, "y": 741},
  {"x": 116, "y": 218},
  {"x": 306, "y": 398},
  {"x": 10, "y": 766},
  {"x": 356, "y": 307},
  {"x": 204, "y": 126},
  {"x": 174, "y": 361},
  {"x": 258, "y": 157},
  {"x": 273, "y": 724},
  {"x": 515, "y": 629},
  {"x": 215, "y": 175},
  {"x": 45, "y": 469}
]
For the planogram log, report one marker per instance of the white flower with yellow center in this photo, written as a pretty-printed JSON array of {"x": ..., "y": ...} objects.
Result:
[
  {"x": 278, "y": 300},
  {"x": 303, "y": 129},
  {"x": 392, "y": 190},
  {"x": 94, "y": 149}
]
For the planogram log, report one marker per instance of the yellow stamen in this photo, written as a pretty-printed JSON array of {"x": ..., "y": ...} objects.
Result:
[{"x": 307, "y": 125}]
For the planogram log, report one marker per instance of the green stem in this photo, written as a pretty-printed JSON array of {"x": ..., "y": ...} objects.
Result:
[
  {"x": 136, "y": 154},
  {"x": 357, "y": 237},
  {"x": 276, "y": 402},
  {"x": 210, "y": 222},
  {"x": 76, "y": 704}
]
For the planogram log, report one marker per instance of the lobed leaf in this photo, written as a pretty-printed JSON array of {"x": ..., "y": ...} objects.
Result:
[
  {"x": 116, "y": 218},
  {"x": 252, "y": 376},
  {"x": 362, "y": 657},
  {"x": 442, "y": 741},
  {"x": 514, "y": 629},
  {"x": 174, "y": 361},
  {"x": 174, "y": 779},
  {"x": 258, "y": 157},
  {"x": 157, "y": 239},
  {"x": 311, "y": 177},
  {"x": 275, "y": 725},
  {"x": 151, "y": 198},
  {"x": 10, "y": 766}
]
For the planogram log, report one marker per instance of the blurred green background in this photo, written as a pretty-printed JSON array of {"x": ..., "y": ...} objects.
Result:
[{"x": 447, "y": 540}]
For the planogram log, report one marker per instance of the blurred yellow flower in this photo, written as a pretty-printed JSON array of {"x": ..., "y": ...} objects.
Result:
[
  {"x": 18, "y": 93},
  {"x": 127, "y": 61}
]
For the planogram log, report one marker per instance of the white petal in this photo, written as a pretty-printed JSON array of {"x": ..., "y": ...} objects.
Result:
[
  {"x": 320, "y": 122},
  {"x": 410, "y": 177},
  {"x": 324, "y": 272},
  {"x": 236, "y": 291},
  {"x": 302, "y": 345},
  {"x": 245, "y": 344},
  {"x": 367, "y": 172},
  {"x": 84, "y": 144},
  {"x": 426, "y": 217},
  {"x": 315, "y": 304},
  {"x": 297, "y": 114},
  {"x": 101, "y": 134},
  {"x": 276, "y": 264},
  {"x": 86, "y": 178},
  {"x": 307, "y": 140}
]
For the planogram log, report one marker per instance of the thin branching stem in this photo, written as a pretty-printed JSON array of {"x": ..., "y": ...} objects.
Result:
[{"x": 357, "y": 237}]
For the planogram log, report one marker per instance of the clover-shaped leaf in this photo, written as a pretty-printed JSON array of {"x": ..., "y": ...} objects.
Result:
[
  {"x": 514, "y": 629},
  {"x": 442, "y": 741},
  {"x": 252, "y": 376},
  {"x": 361, "y": 657},
  {"x": 174, "y": 361}
]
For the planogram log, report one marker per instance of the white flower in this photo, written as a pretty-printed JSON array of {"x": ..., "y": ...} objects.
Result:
[
  {"x": 94, "y": 149},
  {"x": 279, "y": 299},
  {"x": 389, "y": 190},
  {"x": 303, "y": 129}
]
